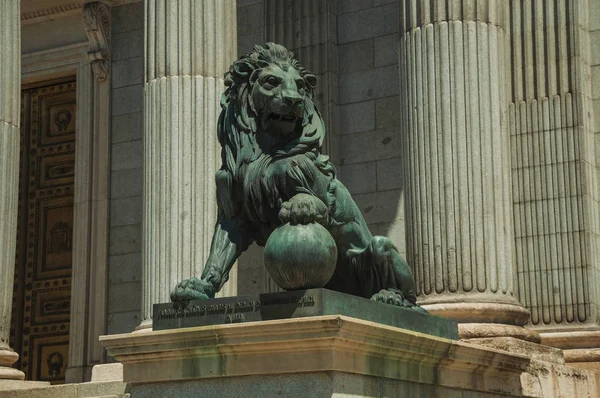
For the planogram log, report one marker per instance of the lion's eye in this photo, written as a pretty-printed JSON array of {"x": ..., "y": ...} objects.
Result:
[
  {"x": 300, "y": 84},
  {"x": 272, "y": 81}
]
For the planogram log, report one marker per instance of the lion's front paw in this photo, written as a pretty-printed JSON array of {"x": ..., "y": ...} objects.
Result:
[
  {"x": 396, "y": 297},
  {"x": 303, "y": 209},
  {"x": 192, "y": 289}
]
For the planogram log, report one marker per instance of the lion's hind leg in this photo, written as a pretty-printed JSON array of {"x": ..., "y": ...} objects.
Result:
[{"x": 387, "y": 276}]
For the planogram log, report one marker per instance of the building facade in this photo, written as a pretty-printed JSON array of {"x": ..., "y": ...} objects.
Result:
[{"x": 465, "y": 130}]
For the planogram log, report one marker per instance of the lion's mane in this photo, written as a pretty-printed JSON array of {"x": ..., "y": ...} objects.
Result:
[{"x": 237, "y": 134}]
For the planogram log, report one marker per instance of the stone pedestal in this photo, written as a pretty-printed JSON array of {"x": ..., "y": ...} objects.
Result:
[
  {"x": 10, "y": 103},
  {"x": 329, "y": 356},
  {"x": 189, "y": 47}
]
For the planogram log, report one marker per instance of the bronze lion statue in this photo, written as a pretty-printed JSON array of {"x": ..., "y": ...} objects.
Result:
[{"x": 273, "y": 173}]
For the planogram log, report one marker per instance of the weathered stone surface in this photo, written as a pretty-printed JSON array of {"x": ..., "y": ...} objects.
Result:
[
  {"x": 124, "y": 268},
  {"x": 123, "y": 322},
  {"x": 127, "y": 45},
  {"x": 349, "y": 58},
  {"x": 386, "y": 50},
  {"x": 360, "y": 178},
  {"x": 126, "y": 183},
  {"x": 127, "y": 127},
  {"x": 357, "y": 117},
  {"x": 370, "y": 146},
  {"x": 369, "y": 84},
  {"x": 127, "y": 72},
  {"x": 126, "y": 239},
  {"x": 127, "y": 99},
  {"x": 399, "y": 360},
  {"x": 126, "y": 18},
  {"x": 389, "y": 174},
  {"x": 126, "y": 155},
  {"x": 124, "y": 297},
  {"x": 387, "y": 112},
  {"x": 126, "y": 211},
  {"x": 367, "y": 23}
]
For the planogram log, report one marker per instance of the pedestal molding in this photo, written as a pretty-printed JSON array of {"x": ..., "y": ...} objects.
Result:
[{"x": 338, "y": 344}]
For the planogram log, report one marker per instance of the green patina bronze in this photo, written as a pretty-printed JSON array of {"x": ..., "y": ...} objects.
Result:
[{"x": 276, "y": 188}]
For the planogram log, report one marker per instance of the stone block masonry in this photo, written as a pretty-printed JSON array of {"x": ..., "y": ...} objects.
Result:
[{"x": 126, "y": 201}]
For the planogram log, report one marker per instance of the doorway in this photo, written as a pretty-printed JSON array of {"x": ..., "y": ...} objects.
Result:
[{"x": 43, "y": 267}]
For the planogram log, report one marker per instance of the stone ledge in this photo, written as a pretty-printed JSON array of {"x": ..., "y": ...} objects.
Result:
[{"x": 342, "y": 344}]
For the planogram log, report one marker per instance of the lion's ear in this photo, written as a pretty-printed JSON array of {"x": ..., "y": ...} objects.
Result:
[
  {"x": 311, "y": 80},
  {"x": 243, "y": 69}
]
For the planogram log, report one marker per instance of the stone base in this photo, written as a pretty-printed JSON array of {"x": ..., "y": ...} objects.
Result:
[
  {"x": 581, "y": 348},
  {"x": 108, "y": 372},
  {"x": 34, "y": 389},
  {"x": 517, "y": 346},
  {"x": 313, "y": 385},
  {"x": 6, "y": 385},
  {"x": 7, "y": 358},
  {"x": 328, "y": 355}
]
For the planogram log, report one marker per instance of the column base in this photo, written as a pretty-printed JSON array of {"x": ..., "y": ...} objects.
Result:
[
  {"x": 496, "y": 330},
  {"x": 581, "y": 348},
  {"x": 145, "y": 326},
  {"x": 478, "y": 312},
  {"x": 7, "y": 358},
  {"x": 484, "y": 319}
]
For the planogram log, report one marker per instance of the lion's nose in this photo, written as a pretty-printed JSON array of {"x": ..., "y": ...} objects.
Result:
[{"x": 292, "y": 98}]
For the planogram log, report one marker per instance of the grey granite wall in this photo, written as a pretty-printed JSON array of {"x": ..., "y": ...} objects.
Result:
[
  {"x": 370, "y": 143},
  {"x": 124, "y": 276}
]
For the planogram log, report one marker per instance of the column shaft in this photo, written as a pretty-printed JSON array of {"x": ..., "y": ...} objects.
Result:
[
  {"x": 10, "y": 104},
  {"x": 457, "y": 171},
  {"x": 189, "y": 47}
]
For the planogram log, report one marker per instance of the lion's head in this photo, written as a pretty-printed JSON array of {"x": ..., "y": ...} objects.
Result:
[{"x": 267, "y": 112}]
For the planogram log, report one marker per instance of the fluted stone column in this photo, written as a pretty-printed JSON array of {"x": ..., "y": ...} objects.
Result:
[
  {"x": 10, "y": 104},
  {"x": 189, "y": 47},
  {"x": 457, "y": 172}
]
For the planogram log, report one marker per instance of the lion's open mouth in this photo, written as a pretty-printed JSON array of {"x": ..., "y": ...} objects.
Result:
[{"x": 290, "y": 117}]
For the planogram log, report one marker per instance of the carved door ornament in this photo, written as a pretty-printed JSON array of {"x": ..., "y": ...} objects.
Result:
[
  {"x": 96, "y": 21},
  {"x": 55, "y": 363},
  {"x": 60, "y": 238},
  {"x": 62, "y": 120}
]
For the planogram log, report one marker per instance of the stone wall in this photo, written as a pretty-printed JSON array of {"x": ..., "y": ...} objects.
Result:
[
  {"x": 124, "y": 276},
  {"x": 352, "y": 46},
  {"x": 370, "y": 141}
]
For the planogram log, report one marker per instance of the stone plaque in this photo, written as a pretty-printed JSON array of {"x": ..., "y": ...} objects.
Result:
[{"x": 297, "y": 304}]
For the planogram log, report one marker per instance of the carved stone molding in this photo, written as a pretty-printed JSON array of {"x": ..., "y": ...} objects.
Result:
[
  {"x": 40, "y": 11},
  {"x": 96, "y": 20}
]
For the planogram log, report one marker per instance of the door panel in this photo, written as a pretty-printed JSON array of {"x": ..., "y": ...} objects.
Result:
[{"x": 42, "y": 291}]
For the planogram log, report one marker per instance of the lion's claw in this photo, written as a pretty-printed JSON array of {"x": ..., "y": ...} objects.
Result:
[
  {"x": 192, "y": 289},
  {"x": 396, "y": 297},
  {"x": 303, "y": 209}
]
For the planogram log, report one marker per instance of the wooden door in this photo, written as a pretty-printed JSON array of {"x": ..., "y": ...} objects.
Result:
[{"x": 42, "y": 290}]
